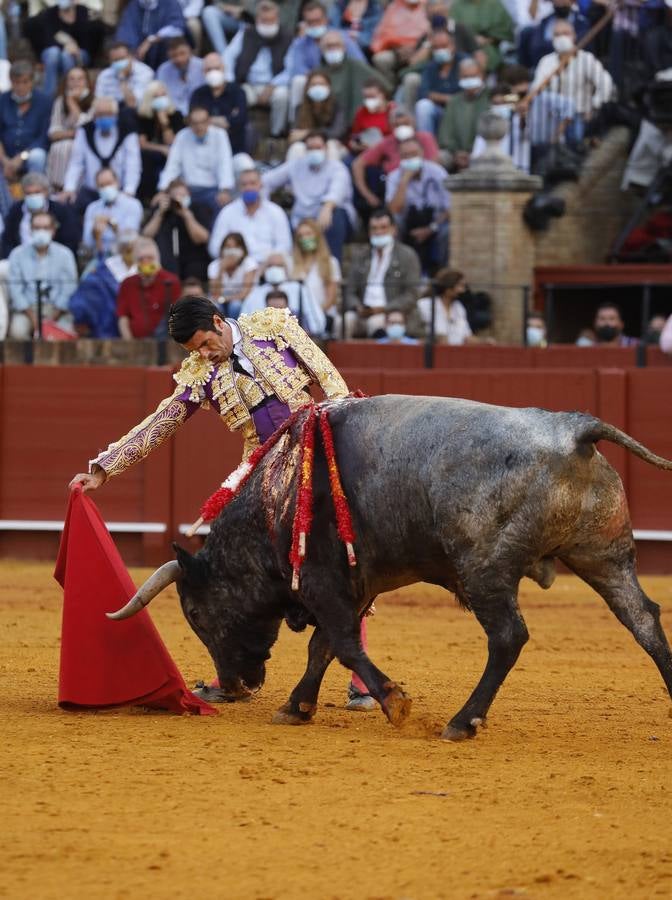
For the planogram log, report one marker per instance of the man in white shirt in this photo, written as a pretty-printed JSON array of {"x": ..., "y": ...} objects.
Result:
[
  {"x": 263, "y": 224},
  {"x": 125, "y": 79},
  {"x": 105, "y": 217},
  {"x": 201, "y": 156}
]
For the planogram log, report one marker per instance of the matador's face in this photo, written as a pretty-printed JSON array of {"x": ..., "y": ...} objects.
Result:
[{"x": 215, "y": 346}]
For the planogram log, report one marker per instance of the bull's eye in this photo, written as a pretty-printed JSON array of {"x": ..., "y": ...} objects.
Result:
[{"x": 193, "y": 615}]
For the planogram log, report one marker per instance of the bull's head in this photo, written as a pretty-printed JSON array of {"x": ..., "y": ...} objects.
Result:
[{"x": 223, "y": 612}]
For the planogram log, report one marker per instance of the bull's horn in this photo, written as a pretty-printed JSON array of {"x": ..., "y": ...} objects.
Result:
[{"x": 167, "y": 574}]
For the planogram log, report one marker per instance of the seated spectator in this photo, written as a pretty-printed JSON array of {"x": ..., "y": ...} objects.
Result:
[
  {"x": 451, "y": 325},
  {"x": 146, "y": 26},
  {"x": 105, "y": 217},
  {"x": 516, "y": 143},
  {"x": 347, "y": 76},
  {"x": 536, "y": 41},
  {"x": 71, "y": 109},
  {"x": 192, "y": 287},
  {"x": 457, "y": 129},
  {"x": 439, "y": 81},
  {"x": 651, "y": 152},
  {"x": 319, "y": 111},
  {"x": 277, "y": 299},
  {"x": 372, "y": 119},
  {"x": 608, "y": 327},
  {"x": 63, "y": 36},
  {"x": 18, "y": 221},
  {"x": 222, "y": 20},
  {"x": 318, "y": 271},
  {"x": 370, "y": 169},
  {"x": 358, "y": 18},
  {"x": 666, "y": 337},
  {"x": 585, "y": 338},
  {"x": 181, "y": 228},
  {"x": 416, "y": 194},
  {"x": 256, "y": 57},
  {"x": 125, "y": 79},
  {"x": 490, "y": 22},
  {"x": 94, "y": 304},
  {"x": 383, "y": 276},
  {"x": 145, "y": 298},
  {"x": 201, "y": 156},
  {"x": 654, "y": 330},
  {"x": 304, "y": 52},
  {"x": 158, "y": 123},
  {"x": 322, "y": 190},
  {"x": 104, "y": 142},
  {"x": 403, "y": 24},
  {"x": 24, "y": 122},
  {"x": 535, "y": 330},
  {"x": 181, "y": 74},
  {"x": 42, "y": 270},
  {"x": 274, "y": 275},
  {"x": 263, "y": 224},
  {"x": 395, "y": 329},
  {"x": 233, "y": 275},
  {"x": 225, "y": 101}
]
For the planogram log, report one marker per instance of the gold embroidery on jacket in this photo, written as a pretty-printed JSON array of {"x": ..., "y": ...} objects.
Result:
[{"x": 194, "y": 373}]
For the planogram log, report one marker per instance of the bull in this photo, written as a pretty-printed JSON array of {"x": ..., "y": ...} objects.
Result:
[{"x": 464, "y": 495}]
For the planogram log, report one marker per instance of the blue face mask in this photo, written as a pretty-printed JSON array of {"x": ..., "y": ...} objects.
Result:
[
  {"x": 120, "y": 65},
  {"x": 250, "y": 197},
  {"x": 35, "y": 202},
  {"x": 160, "y": 103},
  {"x": 396, "y": 331},
  {"x": 106, "y": 123},
  {"x": 317, "y": 32}
]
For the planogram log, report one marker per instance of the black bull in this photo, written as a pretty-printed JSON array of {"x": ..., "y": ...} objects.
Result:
[{"x": 454, "y": 493}]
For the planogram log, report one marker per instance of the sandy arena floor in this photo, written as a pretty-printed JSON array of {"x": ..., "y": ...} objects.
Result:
[{"x": 567, "y": 794}]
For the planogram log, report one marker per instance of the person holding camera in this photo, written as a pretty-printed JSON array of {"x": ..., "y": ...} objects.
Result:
[
  {"x": 104, "y": 217},
  {"x": 181, "y": 228}
]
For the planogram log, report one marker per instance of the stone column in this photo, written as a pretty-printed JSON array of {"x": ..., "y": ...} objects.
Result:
[{"x": 489, "y": 241}]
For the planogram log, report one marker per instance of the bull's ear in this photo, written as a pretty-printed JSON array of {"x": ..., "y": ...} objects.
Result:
[{"x": 193, "y": 567}]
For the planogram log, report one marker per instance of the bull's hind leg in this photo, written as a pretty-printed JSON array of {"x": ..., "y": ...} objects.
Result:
[
  {"x": 302, "y": 703},
  {"x": 500, "y": 617}
]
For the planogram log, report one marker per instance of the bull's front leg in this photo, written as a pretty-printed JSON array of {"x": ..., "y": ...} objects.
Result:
[{"x": 302, "y": 703}]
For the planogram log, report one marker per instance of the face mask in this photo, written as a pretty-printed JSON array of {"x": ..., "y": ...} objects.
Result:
[
  {"x": 473, "y": 83},
  {"x": 317, "y": 32},
  {"x": 250, "y": 197},
  {"x": 381, "y": 240},
  {"x": 535, "y": 335},
  {"x": 275, "y": 274},
  {"x": 215, "y": 78},
  {"x": 35, "y": 202},
  {"x": 185, "y": 201},
  {"x": 109, "y": 193},
  {"x": 81, "y": 95},
  {"x": 318, "y": 92},
  {"x": 41, "y": 237},
  {"x": 606, "y": 333},
  {"x": 148, "y": 269},
  {"x": 267, "y": 31},
  {"x": 443, "y": 55},
  {"x": 315, "y": 158},
  {"x": 160, "y": 103},
  {"x": 501, "y": 110},
  {"x": 412, "y": 164},
  {"x": 106, "y": 123},
  {"x": 308, "y": 244},
  {"x": 396, "y": 331},
  {"x": 233, "y": 252},
  {"x": 120, "y": 65},
  {"x": 372, "y": 103},
  {"x": 64, "y": 4},
  {"x": 17, "y": 98},
  {"x": 562, "y": 12},
  {"x": 403, "y": 132},
  {"x": 584, "y": 341},
  {"x": 334, "y": 57},
  {"x": 563, "y": 43}
]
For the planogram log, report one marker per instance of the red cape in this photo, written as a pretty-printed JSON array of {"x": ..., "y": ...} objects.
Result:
[{"x": 106, "y": 663}]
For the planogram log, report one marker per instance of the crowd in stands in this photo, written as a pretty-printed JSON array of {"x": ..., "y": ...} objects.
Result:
[{"x": 290, "y": 153}]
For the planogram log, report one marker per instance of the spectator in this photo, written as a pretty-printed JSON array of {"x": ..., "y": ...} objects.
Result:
[
  {"x": 359, "y": 18},
  {"x": 585, "y": 338},
  {"x": 516, "y": 143},
  {"x": 383, "y": 276},
  {"x": 656, "y": 46},
  {"x": 347, "y": 76},
  {"x": 439, "y": 81},
  {"x": 277, "y": 299},
  {"x": 222, "y": 20},
  {"x": 275, "y": 275},
  {"x": 395, "y": 329},
  {"x": 372, "y": 119},
  {"x": 263, "y": 224},
  {"x": 201, "y": 156},
  {"x": 651, "y": 152},
  {"x": 416, "y": 194},
  {"x": 371, "y": 167},
  {"x": 181, "y": 229},
  {"x": 94, "y": 304},
  {"x": 304, "y": 52},
  {"x": 18, "y": 221},
  {"x": 318, "y": 271},
  {"x": 24, "y": 122},
  {"x": 256, "y": 57},
  {"x": 146, "y": 25},
  {"x": 666, "y": 337},
  {"x": 125, "y": 79},
  {"x": 192, "y": 11},
  {"x": 451, "y": 325},
  {"x": 457, "y": 130},
  {"x": 182, "y": 73},
  {"x": 319, "y": 111},
  {"x": 490, "y": 22},
  {"x": 192, "y": 287},
  {"x": 71, "y": 109},
  {"x": 402, "y": 25},
  {"x": 322, "y": 190},
  {"x": 105, "y": 142},
  {"x": 144, "y": 299},
  {"x": 536, "y": 41},
  {"x": 608, "y": 327},
  {"x": 654, "y": 330},
  {"x": 535, "y": 330},
  {"x": 233, "y": 275},
  {"x": 105, "y": 217},
  {"x": 158, "y": 123},
  {"x": 225, "y": 101},
  {"x": 42, "y": 270}
]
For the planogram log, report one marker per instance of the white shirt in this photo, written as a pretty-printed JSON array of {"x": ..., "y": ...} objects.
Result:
[
  {"x": 313, "y": 186},
  {"x": 202, "y": 164},
  {"x": 84, "y": 165},
  {"x": 125, "y": 211},
  {"x": 451, "y": 324},
  {"x": 299, "y": 299},
  {"x": 237, "y": 335},
  {"x": 584, "y": 79},
  {"x": 108, "y": 83},
  {"x": 266, "y": 231},
  {"x": 374, "y": 295},
  {"x": 230, "y": 285}
]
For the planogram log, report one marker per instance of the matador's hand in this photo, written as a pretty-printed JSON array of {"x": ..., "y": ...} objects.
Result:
[{"x": 88, "y": 482}]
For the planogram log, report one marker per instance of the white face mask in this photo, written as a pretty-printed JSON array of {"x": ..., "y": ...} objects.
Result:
[
  {"x": 372, "y": 103},
  {"x": 215, "y": 78},
  {"x": 501, "y": 110},
  {"x": 41, "y": 237},
  {"x": 318, "y": 93},
  {"x": 473, "y": 83},
  {"x": 267, "y": 31},
  {"x": 275, "y": 274},
  {"x": 315, "y": 158},
  {"x": 334, "y": 57},
  {"x": 404, "y": 132},
  {"x": 411, "y": 163},
  {"x": 563, "y": 43},
  {"x": 381, "y": 240},
  {"x": 233, "y": 252},
  {"x": 535, "y": 335}
]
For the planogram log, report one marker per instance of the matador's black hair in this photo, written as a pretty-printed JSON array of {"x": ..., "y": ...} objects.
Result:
[{"x": 189, "y": 315}]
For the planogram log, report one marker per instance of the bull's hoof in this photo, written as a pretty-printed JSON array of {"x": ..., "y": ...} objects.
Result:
[
  {"x": 396, "y": 705},
  {"x": 217, "y": 695},
  {"x": 456, "y": 732},
  {"x": 286, "y": 715}
]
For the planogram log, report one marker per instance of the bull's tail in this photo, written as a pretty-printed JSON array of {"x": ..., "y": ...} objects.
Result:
[{"x": 597, "y": 430}]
